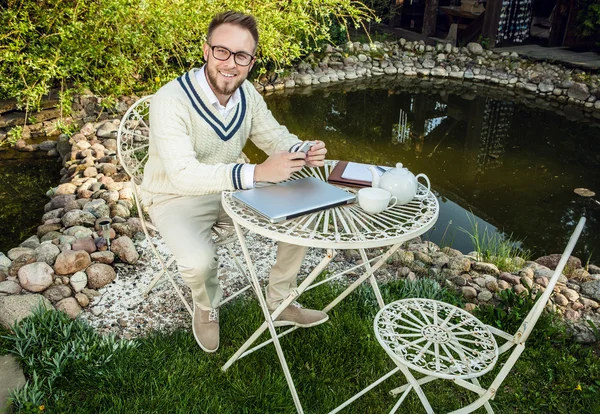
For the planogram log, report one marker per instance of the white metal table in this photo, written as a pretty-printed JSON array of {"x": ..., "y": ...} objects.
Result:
[{"x": 338, "y": 228}]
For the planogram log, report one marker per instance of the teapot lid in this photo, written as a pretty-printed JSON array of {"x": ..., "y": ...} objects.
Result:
[{"x": 399, "y": 170}]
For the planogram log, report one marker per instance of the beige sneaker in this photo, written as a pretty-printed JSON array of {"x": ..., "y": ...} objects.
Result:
[
  {"x": 205, "y": 325},
  {"x": 296, "y": 315}
]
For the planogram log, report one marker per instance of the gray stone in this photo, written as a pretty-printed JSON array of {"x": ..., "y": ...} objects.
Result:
[
  {"x": 32, "y": 242},
  {"x": 591, "y": 289},
  {"x": 46, "y": 252},
  {"x": 82, "y": 299},
  {"x": 98, "y": 208},
  {"x": 428, "y": 64},
  {"x": 485, "y": 296},
  {"x": 468, "y": 292},
  {"x": 16, "y": 307},
  {"x": 11, "y": 378},
  {"x": 78, "y": 232},
  {"x": 578, "y": 91},
  {"x": 560, "y": 299},
  {"x": 18, "y": 251},
  {"x": 10, "y": 288},
  {"x": 78, "y": 281},
  {"x": 4, "y": 261},
  {"x": 487, "y": 268},
  {"x": 78, "y": 218},
  {"x": 57, "y": 293},
  {"x": 439, "y": 72},
  {"x": 36, "y": 277},
  {"x": 546, "y": 86}
]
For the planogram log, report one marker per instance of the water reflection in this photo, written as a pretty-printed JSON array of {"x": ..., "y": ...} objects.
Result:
[{"x": 514, "y": 167}]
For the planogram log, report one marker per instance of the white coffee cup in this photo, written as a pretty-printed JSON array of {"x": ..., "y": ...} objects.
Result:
[{"x": 375, "y": 200}]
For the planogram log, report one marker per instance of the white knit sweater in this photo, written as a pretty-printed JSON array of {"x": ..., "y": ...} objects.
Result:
[{"x": 193, "y": 149}]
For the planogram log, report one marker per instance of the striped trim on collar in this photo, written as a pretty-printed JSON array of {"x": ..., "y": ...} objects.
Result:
[{"x": 225, "y": 132}]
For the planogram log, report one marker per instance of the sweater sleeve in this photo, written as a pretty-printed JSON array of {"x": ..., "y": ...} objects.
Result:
[
  {"x": 268, "y": 134},
  {"x": 174, "y": 154}
]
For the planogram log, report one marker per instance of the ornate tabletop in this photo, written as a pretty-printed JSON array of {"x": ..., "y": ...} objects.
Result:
[{"x": 342, "y": 227}]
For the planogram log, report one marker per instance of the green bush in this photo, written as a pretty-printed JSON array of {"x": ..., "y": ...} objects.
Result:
[{"x": 123, "y": 46}]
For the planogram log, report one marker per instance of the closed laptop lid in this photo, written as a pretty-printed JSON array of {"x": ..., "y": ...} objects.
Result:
[{"x": 283, "y": 201}]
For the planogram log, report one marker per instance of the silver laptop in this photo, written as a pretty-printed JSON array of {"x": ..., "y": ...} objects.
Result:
[{"x": 290, "y": 199}]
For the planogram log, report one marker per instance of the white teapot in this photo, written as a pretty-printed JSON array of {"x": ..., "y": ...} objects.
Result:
[{"x": 400, "y": 182}]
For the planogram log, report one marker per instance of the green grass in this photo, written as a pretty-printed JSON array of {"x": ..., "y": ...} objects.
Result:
[
  {"x": 329, "y": 363},
  {"x": 495, "y": 248}
]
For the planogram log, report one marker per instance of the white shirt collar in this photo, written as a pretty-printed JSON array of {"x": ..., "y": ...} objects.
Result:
[{"x": 231, "y": 103}]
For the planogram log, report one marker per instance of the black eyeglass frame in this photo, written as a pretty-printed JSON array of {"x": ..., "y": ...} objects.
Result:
[{"x": 252, "y": 57}]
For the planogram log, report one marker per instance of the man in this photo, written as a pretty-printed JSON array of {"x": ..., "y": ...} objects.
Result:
[{"x": 200, "y": 124}]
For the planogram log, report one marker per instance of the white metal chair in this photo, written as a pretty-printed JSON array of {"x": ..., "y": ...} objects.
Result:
[
  {"x": 132, "y": 149},
  {"x": 443, "y": 341}
]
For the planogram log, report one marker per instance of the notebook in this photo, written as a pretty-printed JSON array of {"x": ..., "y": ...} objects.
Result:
[
  {"x": 352, "y": 174},
  {"x": 291, "y": 199}
]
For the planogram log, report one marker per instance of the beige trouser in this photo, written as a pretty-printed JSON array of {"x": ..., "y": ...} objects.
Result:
[{"x": 185, "y": 225}]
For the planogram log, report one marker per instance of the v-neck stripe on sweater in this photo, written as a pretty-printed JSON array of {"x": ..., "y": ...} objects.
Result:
[{"x": 196, "y": 95}]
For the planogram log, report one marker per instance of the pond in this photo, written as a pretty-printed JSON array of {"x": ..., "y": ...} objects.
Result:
[
  {"x": 509, "y": 167},
  {"x": 24, "y": 180},
  {"x": 505, "y": 165}
]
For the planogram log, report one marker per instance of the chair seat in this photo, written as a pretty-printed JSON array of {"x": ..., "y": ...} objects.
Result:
[{"x": 436, "y": 339}]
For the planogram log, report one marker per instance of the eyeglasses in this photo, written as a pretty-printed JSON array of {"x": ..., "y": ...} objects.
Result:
[{"x": 240, "y": 58}]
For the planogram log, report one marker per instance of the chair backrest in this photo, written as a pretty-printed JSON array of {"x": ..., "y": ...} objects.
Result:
[
  {"x": 532, "y": 317},
  {"x": 133, "y": 139}
]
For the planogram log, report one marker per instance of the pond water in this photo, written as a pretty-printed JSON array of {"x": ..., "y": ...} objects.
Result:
[
  {"x": 24, "y": 180},
  {"x": 512, "y": 167}
]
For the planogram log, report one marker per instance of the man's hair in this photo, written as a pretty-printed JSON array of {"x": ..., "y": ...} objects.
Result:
[{"x": 242, "y": 20}]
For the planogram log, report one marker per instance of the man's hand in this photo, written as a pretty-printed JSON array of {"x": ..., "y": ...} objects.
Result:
[
  {"x": 316, "y": 155},
  {"x": 279, "y": 166}
]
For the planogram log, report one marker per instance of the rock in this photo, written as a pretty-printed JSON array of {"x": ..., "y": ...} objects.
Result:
[
  {"x": 487, "y": 268},
  {"x": 470, "y": 307},
  {"x": 98, "y": 208},
  {"x": 107, "y": 130},
  {"x": 78, "y": 281},
  {"x": 527, "y": 282},
  {"x": 551, "y": 261},
  {"x": 439, "y": 72},
  {"x": 9, "y": 287},
  {"x": 87, "y": 244},
  {"x": 124, "y": 248},
  {"x": 14, "y": 308},
  {"x": 78, "y": 218},
  {"x": 33, "y": 242},
  {"x": 560, "y": 300},
  {"x": 468, "y": 292},
  {"x": 461, "y": 264},
  {"x": 589, "y": 304},
  {"x": 103, "y": 257},
  {"x": 70, "y": 306},
  {"x": 48, "y": 228},
  {"x": 78, "y": 232},
  {"x": 60, "y": 201},
  {"x": 527, "y": 272},
  {"x": 591, "y": 289},
  {"x": 19, "y": 262},
  {"x": 99, "y": 275},
  {"x": 13, "y": 254},
  {"x": 57, "y": 293},
  {"x": 82, "y": 299},
  {"x": 71, "y": 261},
  {"x": 120, "y": 210},
  {"x": 546, "y": 86},
  {"x": 46, "y": 252},
  {"x": 510, "y": 278},
  {"x": 579, "y": 91},
  {"x": 66, "y": 188},
  {"x": 519, "y": 289},
  {"x": 485, "y": 296},
  {"x": 4, "y": 261},
  {"x": 36, "y": 277},
  {"x": 542, "y": 281}
]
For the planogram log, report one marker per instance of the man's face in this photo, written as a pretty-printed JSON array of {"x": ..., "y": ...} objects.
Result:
[{"x": 224, "y": 77}]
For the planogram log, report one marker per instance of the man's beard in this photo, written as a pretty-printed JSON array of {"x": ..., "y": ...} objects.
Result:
[{"x": 228, "y": 89}]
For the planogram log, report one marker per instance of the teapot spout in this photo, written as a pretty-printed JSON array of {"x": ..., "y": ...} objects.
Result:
[{"x": 376, "y": 178}]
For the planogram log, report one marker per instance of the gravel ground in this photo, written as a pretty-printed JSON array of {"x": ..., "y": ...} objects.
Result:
[{"x": 121, "y": 308}]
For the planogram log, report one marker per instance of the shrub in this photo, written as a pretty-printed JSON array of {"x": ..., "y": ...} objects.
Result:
[{"x": 123, "y": 46}]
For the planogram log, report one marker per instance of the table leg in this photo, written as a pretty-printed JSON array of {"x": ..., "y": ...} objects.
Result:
[
  {"x": 269, "y": 321},
  {"x": 368, "y": 273}
]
